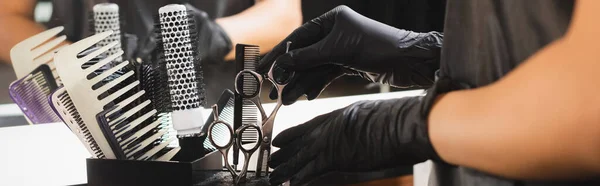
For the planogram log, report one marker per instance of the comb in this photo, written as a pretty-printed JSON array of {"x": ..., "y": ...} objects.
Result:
[
  {"x": 91, "y": 94},
  {"x": 185, "y": 78},
  {"x": 154, "y": 84},
  {"x": 31, "y": 92},
  {"x": 63, "y": 106},
  {"x": 106, "y": 17},
  {"x": 148, "y": 143},
  {"x": 225, "y": 106},
  {"x": 246, "y": 113},
  {"x": 34, "y": 51}
]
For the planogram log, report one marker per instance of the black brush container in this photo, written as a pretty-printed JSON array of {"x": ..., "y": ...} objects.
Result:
[{"x": 131, "y": 172}]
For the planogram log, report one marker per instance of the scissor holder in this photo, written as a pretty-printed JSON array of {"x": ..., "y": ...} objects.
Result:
[{"x": 133, "y": 172}]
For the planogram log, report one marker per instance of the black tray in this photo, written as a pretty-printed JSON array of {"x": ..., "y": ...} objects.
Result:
[
  {"x": 224, "y": 178},
  {"x": 131, "y": 172}
]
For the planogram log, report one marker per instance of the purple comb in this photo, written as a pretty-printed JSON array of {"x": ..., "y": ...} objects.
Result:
[{"x": 31, "y": 92}]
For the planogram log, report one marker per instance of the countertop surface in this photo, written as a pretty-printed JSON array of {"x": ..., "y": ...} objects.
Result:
[{"x": 49, "y": 154}]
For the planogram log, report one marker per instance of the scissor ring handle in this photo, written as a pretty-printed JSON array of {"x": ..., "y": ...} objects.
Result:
[
  {"x": 212, "y": 140},
  {"x": 277, "y": 79},
  {"x": 241, "y": 130},
  {"x": 239, "y": 89}
]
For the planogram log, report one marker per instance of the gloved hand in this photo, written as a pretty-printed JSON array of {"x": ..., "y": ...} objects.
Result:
[
  {"x": 212, "y": 41},
  {"x": 365, "y": 136},
  {"x": 343, "y": 42}
]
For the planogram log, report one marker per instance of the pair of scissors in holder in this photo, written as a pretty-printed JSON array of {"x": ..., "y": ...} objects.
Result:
[
  {"x": 223, "y": 143},
  {"x": 279, "y": 77}
]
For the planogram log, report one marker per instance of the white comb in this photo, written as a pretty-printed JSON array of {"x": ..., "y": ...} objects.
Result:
[
  {"x": 36, "y": 50},
  {"x": 64, "y": 107},
  {"x": 126, "y": 127},
  {"x": 106, "y": 17}
]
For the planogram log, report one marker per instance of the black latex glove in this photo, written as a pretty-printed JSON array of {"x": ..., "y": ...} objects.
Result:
[
  {"x": 343, "y": 42},
  {"x": 212, "y": 41},
  {"x": 365, "y": 136},
  {"x": 129, "y": 45}
]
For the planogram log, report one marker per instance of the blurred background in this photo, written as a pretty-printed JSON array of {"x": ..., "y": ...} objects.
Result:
[{"x": 415, "y": 15}]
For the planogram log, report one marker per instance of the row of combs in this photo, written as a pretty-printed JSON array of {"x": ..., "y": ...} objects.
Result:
[{"x": 100, "y": 99}]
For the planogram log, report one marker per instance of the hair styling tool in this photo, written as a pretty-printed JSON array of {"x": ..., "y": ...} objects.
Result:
[
  {"x": 246, "y": 113},
  {"x": 106, "y": 17},
  {"x": 92, "y": 94},
  {"x": 225, "y": 143},
  {"x": 31, "y": 92},
  {"x": 64, "y": 107},
  {"x": 279, "y": 78},
  {"x": 184, "y": 72},
  {"x": 148, "y": 143},
  {"x": 225, "y": 109},
  {"x": 32, "y": 61},
  {"x": 37, "y": 50},
  {"x": 154, "y": 82}
]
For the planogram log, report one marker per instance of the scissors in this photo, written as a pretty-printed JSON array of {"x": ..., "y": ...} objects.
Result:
[
  {"x": 224, "y": 144},
  {"x": 279, "y": 77}
]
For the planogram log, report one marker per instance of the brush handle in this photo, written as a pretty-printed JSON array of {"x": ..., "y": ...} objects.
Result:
[{"x": 181, "y": 70}]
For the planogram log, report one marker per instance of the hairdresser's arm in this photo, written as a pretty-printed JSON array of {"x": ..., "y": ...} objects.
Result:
[
  {"x": 17, "y": 23},
  {"x": 541, "y": 121},
  {"x": 264, "y": 24}
]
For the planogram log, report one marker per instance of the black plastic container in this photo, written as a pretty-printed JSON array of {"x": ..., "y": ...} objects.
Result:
[{"x": 131, "y": 172}]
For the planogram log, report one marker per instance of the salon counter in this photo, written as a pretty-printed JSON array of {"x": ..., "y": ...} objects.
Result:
[{"x": 49, "y": 154}]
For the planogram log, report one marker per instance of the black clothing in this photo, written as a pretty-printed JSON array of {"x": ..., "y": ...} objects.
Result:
[
  {"x": 413, "y": 15},
  {"x": 486, "y": 39},
  {"x": 137, "y": 15},
  {"x": 137, "y": 18}
]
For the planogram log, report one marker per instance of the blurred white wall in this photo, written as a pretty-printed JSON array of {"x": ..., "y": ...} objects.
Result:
[{"x": 43, "y": 11}]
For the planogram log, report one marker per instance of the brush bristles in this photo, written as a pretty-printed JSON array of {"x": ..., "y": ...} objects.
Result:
[
  {"x": 184, "y": 70},
  {"x": 106, "y": 17},
  {"x": 155, "y": 79}
]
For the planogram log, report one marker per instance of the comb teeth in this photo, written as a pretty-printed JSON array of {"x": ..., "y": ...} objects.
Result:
[
  {"x": 155, "y": 83},
  {"x": 31, "y": 95},
  {"x": 106, "y": 17},
  {"x": 64, "y": 107},
  {"x": 226, "y": 115},
  {"x": 128, "y": 128},
  {"x": 37, "y": 50},
  {"x": 251, "y": 55},
  {"x": 250, "y": 86}
]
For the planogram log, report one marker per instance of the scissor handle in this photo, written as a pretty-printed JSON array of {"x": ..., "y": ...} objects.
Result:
[
  {"x": 212, "y": 139},
  {"x": 280, "y": 76},
  {"x": 239, "y": 88},
  {"x": 239, "y": 133}
]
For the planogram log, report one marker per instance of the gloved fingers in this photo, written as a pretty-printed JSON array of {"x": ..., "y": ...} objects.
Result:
[
  {"x": 197, "y": 12},
  {"x": 148, "y": 44},
  {"x": 318, "y": 87},
  {"x": 285, "y": 152},
  {"x": 307, "y": 57},
  {"x": 286, "y": 170},
  {"x": 307, "y": 81},
  {"x": 273, "y": 93},
  {"x": 311, "y": 170},
  {"x": 287, "y": 136},
  {"x": 305, "y": 35},
  {"x": 291, "y": 92}
]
